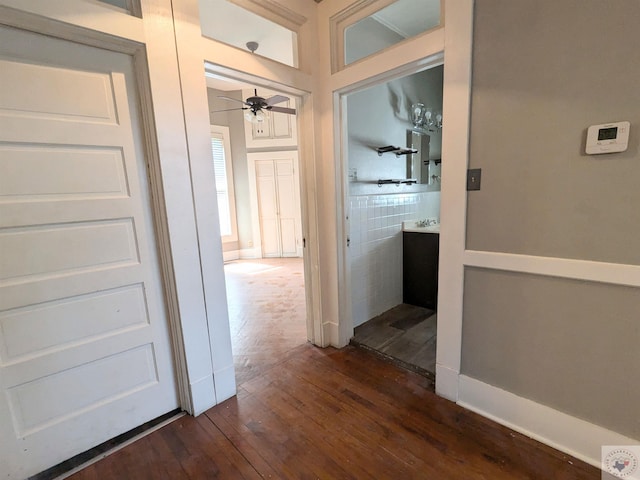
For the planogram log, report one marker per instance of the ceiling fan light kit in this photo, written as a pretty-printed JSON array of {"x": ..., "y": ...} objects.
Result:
[
  {"x": 256, "y": 106},
  {"x": 257, "y": 117},
  {"x": 252, "y": 46}
]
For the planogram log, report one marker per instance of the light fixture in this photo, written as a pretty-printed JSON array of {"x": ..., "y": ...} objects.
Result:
[
  {"x": 252, "y": 46},
  {"x": 423, "y": 118},
  {"x": 417, "y": 114},
  {"x": 254, "y": 117}
]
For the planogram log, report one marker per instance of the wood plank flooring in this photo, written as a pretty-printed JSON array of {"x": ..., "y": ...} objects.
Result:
[
  {"x": 328, "y": 414},
  {"x": 404, "y": 333},
  {"x": 302, "y": 412},
  {"x": 267, "y": 315}
]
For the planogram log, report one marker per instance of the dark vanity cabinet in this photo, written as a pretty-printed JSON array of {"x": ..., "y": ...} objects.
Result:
[{"x": 420, "y": 269}]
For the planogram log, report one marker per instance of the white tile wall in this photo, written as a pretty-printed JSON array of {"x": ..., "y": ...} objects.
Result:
[{"x": 375, "y": 230}]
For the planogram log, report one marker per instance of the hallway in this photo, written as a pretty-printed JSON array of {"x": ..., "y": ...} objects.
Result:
[
  {"x": 328, "y": 414},
  {"x": 304, "y": 412}
]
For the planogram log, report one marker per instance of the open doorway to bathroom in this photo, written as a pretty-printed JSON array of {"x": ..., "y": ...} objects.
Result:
[
  {"x": 394, "y": 136},
  {"x": 258, "y": 189}
]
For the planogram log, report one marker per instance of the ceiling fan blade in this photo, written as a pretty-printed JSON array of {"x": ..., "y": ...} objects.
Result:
[
  {"x": 229, "y": 109},
  {"x": 232, "y": 99},
  {"x": 290, "y": 111},
  {"x": 276, "y": 99}
]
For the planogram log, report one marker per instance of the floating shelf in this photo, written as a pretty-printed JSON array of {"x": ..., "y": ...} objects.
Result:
[
  {"x": 406, "y": 181},
  {"x": 397, "y": 150}
]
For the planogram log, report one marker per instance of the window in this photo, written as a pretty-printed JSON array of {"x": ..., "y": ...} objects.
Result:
[
  {"x": 132, "y": 7},
  {"x": 222, "y": 167},
  {"x": 369, "y": 26}
]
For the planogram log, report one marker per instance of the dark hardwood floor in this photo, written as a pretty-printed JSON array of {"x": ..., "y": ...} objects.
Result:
[
  {"x": 317, "y": 413},
  {"x": 405, "y": 334}
]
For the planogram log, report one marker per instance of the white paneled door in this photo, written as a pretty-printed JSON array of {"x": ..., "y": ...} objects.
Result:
[
  {"x": 278, "y": 203},
  {"x": 85, "y": 350}
]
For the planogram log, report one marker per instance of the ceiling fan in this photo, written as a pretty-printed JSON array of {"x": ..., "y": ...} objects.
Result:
[{"x": 255, "y": 106}]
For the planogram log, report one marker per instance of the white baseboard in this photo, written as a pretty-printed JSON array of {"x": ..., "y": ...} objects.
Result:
[
  {"x": 447, "y": 382},
  {"x": 250, "y": 253},
  {"x": 225, "y": 383},
  {"x": 561, "y": 431},
  {"x": 332, "y": 332},
  {"x": 203, "y": 395},
  {"x": 230, "y": 255}
]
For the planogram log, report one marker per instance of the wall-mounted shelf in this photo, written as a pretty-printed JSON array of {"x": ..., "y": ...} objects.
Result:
[
  {"x": 406, "y": 181},
  {"x": 397, "y": 150}
]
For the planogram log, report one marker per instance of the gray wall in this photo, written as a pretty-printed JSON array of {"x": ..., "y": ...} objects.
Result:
[
  {"x": 379, "y": 116},
  {"x": 568, "y": 344},
  {"x": 236, "y": 123},
  {"x": 542, "y": 73}
]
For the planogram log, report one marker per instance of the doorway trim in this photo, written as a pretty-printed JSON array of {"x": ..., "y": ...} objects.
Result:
[
  {"x": 456, "y": 109},
  {"x": 307, "y": 193},
  {"x": 342, "y": 185},
  {"x": 457, "y": 55}
]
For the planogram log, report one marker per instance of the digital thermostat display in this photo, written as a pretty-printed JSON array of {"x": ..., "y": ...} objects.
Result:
[
  {"x": 608, "y": 133},
  {"x": 607, "y": 138}
]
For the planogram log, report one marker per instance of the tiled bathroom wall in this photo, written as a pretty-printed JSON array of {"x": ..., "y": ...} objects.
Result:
[{"x": 375, "y": 232}]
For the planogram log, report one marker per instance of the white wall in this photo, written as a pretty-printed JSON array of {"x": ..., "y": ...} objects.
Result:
[{"x": 375, "y": 223}]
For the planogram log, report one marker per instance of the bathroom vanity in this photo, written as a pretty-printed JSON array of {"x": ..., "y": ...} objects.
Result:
[{"x": 420, "y": 244}]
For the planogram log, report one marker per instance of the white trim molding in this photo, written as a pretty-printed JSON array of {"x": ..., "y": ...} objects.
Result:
[
  {"x": 456, "y": 109},
  {"x": 602, "y": 272},
  {"x": 559, "y": 430}
]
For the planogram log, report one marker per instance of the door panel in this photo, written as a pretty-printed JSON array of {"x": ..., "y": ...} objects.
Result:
[
  {"x": 268, "y": 208},
  {"x": 278, "y": 204},
  {"x": 84, "y": 340},
  {"x": 289, "y": 206},
  {"x": 282, "y": 123}
]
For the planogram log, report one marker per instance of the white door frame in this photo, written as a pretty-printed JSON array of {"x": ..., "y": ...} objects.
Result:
[
  {"x": 341, "y": 113},
  {"x": 195, "y": 53},
  {"x": 457, "y": 53},
  {"x": 306, "y": 178}
]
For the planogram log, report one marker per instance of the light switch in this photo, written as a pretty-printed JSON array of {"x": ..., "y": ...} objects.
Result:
[{"x": 473, "y": 178}]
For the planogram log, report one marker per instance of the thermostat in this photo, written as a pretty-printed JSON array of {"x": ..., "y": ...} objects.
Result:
[{"x": 608, "y": 138}]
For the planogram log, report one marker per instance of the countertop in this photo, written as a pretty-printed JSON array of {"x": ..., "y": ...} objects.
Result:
[{"x": 412, "y": 226}]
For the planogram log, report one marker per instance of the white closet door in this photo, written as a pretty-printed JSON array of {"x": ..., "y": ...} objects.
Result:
[
  {"x": 268, "y": 207},
  {"x": 84, "y": 342},
  {"x": 289, "y": 206},
  {"x": 278, "y": 203}
]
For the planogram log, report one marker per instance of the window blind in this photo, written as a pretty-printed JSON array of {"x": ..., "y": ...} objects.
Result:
[{"x": 222, "y": 186}]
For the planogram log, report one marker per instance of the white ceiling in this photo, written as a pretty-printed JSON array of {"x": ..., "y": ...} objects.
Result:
[{"x": 410, "y": 17}]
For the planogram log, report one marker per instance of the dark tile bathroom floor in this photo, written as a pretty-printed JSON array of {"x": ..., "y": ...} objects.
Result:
[{"x": 405, "y": 334}]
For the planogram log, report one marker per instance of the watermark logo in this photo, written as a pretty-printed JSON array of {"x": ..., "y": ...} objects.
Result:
[{"x": 621, "y": 461}]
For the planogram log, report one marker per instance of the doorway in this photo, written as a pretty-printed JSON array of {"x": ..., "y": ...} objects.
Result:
[
  {"x": 261, "y": 224},
  {"x": 393, "y": 204}
]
